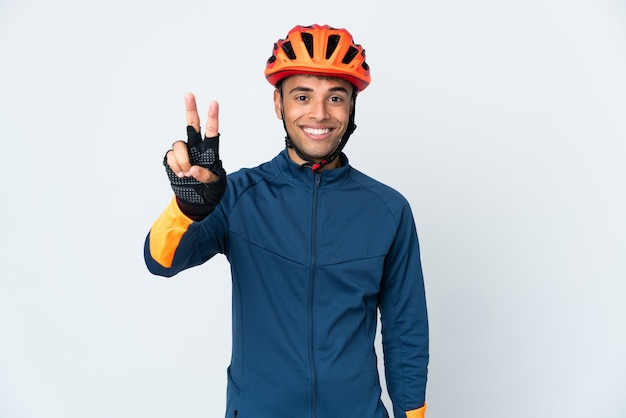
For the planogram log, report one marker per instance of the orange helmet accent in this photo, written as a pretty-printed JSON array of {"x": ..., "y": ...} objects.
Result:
[{"x": 318, "y": 50}]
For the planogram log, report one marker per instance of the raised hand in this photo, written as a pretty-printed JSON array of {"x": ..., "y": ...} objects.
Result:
[
  {"x": 178, "y": 158},
  {"x": 194, "y": 167}
]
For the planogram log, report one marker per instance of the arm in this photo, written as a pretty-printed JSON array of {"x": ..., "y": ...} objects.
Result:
[
  {"x": 405, "y": 322},
  {"x": 176, "y": 242},
  {"x": 198, "y": 181}
]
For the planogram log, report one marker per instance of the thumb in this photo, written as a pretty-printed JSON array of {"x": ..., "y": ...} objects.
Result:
[{"x": 203, "y": 175}]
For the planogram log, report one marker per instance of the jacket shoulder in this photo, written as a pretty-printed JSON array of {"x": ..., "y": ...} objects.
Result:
[
  {"x": 244, "y": 178},
  {"x": 383, "y": 192}
]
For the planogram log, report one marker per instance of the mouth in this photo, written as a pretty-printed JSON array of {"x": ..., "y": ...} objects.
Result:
[{"x": 316, "y": 132}]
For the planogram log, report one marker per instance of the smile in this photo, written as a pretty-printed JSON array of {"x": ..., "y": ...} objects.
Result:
[{"x": 316, "y": 131}]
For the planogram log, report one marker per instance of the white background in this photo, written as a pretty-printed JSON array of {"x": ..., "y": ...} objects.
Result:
[{"x": 502, "y": 122}]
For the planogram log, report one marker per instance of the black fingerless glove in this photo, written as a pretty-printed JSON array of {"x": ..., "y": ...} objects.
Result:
[{"x": 196, "y": 199}]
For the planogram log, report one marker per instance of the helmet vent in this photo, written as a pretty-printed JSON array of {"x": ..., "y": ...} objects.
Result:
[
  {"x": 307, "y": 39},
  {"x": 352, "y": 52},
  {"x": 331, "y": 45},
  {"x": 289, "y": 50}
]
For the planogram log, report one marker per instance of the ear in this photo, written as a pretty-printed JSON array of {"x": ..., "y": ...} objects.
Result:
[{"x": 278, "y": 104}]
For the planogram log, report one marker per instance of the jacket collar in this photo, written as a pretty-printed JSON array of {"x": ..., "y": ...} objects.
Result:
[{"x": 305, "y": 177}]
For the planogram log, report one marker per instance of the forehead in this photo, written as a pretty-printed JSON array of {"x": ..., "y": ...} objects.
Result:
[{"x": 316, "y": 82}]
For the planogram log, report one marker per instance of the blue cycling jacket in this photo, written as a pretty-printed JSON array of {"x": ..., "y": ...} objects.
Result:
[{"x": 313, "y": 257}]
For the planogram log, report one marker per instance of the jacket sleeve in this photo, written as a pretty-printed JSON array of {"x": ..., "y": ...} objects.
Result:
[
  {"x": 405, "y": 322},
  {"x": 176, "y": 242},
  {"x": 417, "y": 413}
]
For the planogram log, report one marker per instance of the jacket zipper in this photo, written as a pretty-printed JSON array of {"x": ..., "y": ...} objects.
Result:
[{"x": 311, "y": 324}]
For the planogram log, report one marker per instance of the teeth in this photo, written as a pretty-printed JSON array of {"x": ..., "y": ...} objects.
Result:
[{"x": 314, "y": 131}]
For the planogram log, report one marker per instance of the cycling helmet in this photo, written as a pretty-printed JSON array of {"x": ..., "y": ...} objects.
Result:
[{"x": 318, "y": 50}]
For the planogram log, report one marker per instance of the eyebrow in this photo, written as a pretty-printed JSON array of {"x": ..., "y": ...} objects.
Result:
[{"x": 307, "y": 89}]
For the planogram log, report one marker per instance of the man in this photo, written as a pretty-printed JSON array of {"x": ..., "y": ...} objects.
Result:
[{"x": 316, "y": 248}]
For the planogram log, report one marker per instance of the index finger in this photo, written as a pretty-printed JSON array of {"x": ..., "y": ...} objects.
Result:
[
  {"x": 212, "y": 124},
  {"x": 192, "y": 111}
]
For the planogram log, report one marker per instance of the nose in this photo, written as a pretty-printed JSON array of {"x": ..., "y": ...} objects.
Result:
[{"x": 318, "y": 110}]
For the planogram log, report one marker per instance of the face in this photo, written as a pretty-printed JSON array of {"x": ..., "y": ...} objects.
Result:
[{"x": 316, "y": 111}]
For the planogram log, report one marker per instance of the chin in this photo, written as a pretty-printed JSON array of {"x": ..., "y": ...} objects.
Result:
[
  {"x": 319, "y": 153},
  {"x": 318, "y": 157}
]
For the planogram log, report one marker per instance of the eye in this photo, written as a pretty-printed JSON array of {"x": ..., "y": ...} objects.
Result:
[
  {"x": 335, "y": 99},
  {"x": 301, "y": 98}
]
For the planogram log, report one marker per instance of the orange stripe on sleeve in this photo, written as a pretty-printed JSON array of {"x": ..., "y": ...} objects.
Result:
[
  {"x": 166, "y": 233},
  {"x": 416, "y": 413}
]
